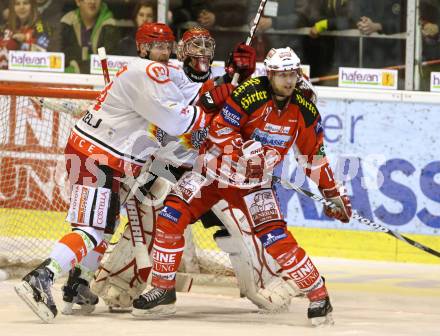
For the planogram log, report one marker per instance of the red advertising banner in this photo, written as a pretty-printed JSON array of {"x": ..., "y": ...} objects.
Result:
[{"x": 32, "y": 140}]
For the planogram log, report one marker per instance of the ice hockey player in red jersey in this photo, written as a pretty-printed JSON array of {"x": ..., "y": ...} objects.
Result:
[
  {"x": 109, "y": 143},
  {"x": 262, "y": 119}
]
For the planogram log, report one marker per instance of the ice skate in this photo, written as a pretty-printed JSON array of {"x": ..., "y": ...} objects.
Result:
[
  {"x": 319, "y": 312},
  {"x": 77, "y": 291},
  {"x": 35, "y": 291},
  {"x": 157, "y": 302}
]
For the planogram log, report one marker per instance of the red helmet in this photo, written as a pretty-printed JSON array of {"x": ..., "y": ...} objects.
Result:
[
  {"x": 196, "y": 31},
  {"x": 196, "y": 42},
  {"x": 154, "y": 32}
]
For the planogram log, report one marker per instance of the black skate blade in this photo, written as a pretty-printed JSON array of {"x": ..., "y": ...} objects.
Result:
[
  {"x": 162, "y": 311},
  {"x": 26, "y": 293},
  {"x": 119, "y": 310},
  {"x": 322, "y": 321}
]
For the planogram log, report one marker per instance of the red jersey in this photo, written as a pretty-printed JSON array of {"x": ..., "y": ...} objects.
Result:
[{"x": 252, "y": 113}]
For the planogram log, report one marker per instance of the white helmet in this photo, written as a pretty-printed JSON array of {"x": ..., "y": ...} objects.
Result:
[{"x": 281, "y": 59}]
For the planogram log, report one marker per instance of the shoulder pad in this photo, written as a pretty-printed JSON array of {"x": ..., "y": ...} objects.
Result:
[
  {"x": 252, "y": 94},
  {"x": 308, "y": 110}
]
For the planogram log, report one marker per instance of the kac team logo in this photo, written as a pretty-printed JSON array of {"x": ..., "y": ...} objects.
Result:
[{"x": 158, "y": 72}]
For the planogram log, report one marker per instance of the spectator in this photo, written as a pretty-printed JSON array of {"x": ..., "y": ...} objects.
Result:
[
  {"x": 4, "y": 11},
  {"x": 286, "y": 14},
  {"x": 382, "y": 17},
  {"x": 213, "y": 14},
  {"x": 326, "y": 54},
  {"x": 51, "y": 12},
  {"x": 24, "y": 30},
  {"x": 333, "y": 15},
  {"x": 323, "y": 53},
  {"x": 84, "y": 30},
  {"x": 430, "y": 24},
  {"x": 144, "y": 12}
]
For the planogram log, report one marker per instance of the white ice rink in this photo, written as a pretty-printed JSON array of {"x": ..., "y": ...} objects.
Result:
[{"x": 369, "y": 298}]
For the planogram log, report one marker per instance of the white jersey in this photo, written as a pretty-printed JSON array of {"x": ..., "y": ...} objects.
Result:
[
  {"x": 183, "y": 149},
  {"x": 142, "y": 94}
]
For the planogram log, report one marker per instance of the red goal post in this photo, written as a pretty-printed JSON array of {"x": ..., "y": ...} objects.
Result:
[{"x": 35, "y": 122}]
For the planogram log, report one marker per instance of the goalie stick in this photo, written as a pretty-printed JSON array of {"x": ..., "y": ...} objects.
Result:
[
  {"x": 251, "y": 35},
  {"x": 378, "y": 227}
]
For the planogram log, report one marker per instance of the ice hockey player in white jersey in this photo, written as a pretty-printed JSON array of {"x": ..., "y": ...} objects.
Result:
[{"x": 107, "y": 145}]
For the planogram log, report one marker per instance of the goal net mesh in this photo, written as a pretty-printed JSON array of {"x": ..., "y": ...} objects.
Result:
[{"x": 33, "y": 194}]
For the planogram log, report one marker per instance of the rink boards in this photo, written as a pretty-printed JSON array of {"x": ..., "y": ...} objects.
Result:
[{"x": 49, "y": 227}]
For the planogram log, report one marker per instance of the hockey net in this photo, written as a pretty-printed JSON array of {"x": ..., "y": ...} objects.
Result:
[{"x": 35, "y": 122}]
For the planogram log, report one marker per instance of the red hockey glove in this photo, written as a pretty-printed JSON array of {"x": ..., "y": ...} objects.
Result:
[
  {"x": 211, "y": 101},
  {"x": 337, "y": 195},
  {"x": 242, "y": 60}
]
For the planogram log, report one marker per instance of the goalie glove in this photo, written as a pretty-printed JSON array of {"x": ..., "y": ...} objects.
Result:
[
  {"x": 211, "y": 101},
  {"x": 242, "y": 60},
  {"x": 337, "y": 195}
]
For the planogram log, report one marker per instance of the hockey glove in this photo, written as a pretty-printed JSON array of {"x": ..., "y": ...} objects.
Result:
[
  {"x": 242, "y": 60},
  {"x": 337, "y": 195},
  {"x": 211, "y": 101}
]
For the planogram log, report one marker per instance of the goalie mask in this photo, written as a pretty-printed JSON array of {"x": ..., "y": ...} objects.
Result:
[
  {"x": 157, "y": 36},
  {"x": 196, "y": 51}
]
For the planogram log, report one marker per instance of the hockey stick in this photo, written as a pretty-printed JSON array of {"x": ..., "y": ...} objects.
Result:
[
  {"x": 251, "y": 35},
  {"x": 378, "y": 227},
  {"x": 103, "y": 58},
  {"x": 135, "y": 218}
]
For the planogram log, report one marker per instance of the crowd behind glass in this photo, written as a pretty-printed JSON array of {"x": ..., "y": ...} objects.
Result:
[{"x": 79, "y": 27}]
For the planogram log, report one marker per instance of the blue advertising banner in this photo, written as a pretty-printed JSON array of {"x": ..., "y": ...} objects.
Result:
[{"x": 386, "y": 154}]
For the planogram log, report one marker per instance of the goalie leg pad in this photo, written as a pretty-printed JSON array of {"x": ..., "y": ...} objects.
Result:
[
  {"x": 258, "y": 274},
  {"x": 118, "y": 281}
]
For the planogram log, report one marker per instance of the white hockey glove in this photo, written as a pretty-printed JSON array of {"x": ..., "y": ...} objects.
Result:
[{"x": 337, "y": 195}]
